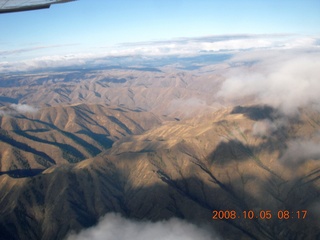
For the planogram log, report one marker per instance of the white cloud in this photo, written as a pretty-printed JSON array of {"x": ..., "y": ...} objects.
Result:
[
  {"x": 300, "y": 42},
  {"x": 30, "y": 49},
  {"x": 115, "y": 227},
  {"x": 180, "y": 47},
  {"x": 286, "y": 80},
  {"x": 238, "y": 44},
  {"x": 266, "y": 127},
  {"x": 24, "y": 108},
  {"x": 299, "y": 151},
  {"x": 13, "y": 109},
  {"x": 217, "y": 44},
  {"x": 263, "y": 128}
]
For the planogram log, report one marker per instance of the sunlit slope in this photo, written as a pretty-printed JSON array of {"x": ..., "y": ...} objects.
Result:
[
  {"x": 64, "y": 134},
  {"x": 233, "y": 159},
  {"x": 162, "y": 92}
]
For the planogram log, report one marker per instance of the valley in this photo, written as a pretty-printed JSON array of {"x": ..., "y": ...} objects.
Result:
[{"x": 152, "y": 146}]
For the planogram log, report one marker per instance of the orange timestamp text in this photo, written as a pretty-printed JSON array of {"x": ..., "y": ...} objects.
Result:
[{"x": 262, "y": 214}]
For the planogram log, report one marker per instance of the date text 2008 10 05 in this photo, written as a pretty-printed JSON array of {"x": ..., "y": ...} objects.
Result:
[{"x": 263, "y": 214}]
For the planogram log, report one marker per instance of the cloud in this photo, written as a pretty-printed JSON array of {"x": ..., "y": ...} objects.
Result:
[
  {"x": 23, "y": 108},
  {"x": 284, "y": 79},
  {"x": 264, "y": 128},
  {"x": 217, "y": 44},
  {"x": 191, "y": 46},
  {"x": 31, "y": 49},
  {"x": 113, "y": 227},
  {"x": 298, "y": 151},
  {"x": 46, "y": 62},
  {"x": 174, "y": 47},
  {"x": 14, "y": 109}
]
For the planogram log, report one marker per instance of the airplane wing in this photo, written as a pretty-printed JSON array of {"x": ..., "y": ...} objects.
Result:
[{"x": 8, "y": 6}]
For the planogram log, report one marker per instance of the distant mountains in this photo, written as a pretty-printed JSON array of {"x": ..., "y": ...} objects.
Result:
[
  {"x": 152, "y": 145},
  {"x": 175, "y": 93}
]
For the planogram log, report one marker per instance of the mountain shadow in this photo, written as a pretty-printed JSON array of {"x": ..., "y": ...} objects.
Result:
[
  {"x": 257, "y": 112},
  {"x": 88, "y": 195},
  {"x": 22, "y": 173}
]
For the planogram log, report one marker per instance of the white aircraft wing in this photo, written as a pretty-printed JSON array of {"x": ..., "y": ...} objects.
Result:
[{"x": 8, "y": 6}]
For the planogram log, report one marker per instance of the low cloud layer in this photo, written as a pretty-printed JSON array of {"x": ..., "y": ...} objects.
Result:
[
  {"x": 286, "y": 80},
  {"x": 30, "y": 49},
  {"x": 221, "y": 43},
  {"x": 113, "y": 227},
  {"x": 299, "y": 151},
  {"x": 232, "y": 44}
]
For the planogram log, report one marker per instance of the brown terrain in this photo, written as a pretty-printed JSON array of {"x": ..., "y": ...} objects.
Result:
[{"x": 151, "y": 145}]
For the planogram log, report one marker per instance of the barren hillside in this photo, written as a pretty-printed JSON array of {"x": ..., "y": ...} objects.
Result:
[
  {"x": 64, "y": 134},
  {"x": 186, "y": 169}
]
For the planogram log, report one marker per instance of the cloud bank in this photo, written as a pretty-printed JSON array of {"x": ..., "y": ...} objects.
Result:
[
  {"x": 232, "y": 44},
  {"x": 115, "y": 227},
  {"x": 287, "y": 80},
  {"x": 222, "y": 43}
]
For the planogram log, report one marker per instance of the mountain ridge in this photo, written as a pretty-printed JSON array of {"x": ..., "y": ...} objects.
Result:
[
  {"x": 64, "y": 134},
  {"x": 167, "y": 171}
]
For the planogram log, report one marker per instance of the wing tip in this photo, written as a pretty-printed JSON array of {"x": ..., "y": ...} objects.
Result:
[{"x": 31, "y": 8}]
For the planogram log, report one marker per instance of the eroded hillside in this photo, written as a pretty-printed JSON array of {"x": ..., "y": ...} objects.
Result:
[
  {"x": 167, "y": 92},
  {"x": 241, "y": 159},
  {"x": 33, "y": 141}
]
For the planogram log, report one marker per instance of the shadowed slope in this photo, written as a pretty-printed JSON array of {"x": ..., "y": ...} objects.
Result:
[
  {"x": 65, "y": 134},
  {"x": 176, "y": 170}
]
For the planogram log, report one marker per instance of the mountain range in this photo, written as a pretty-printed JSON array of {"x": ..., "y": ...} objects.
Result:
[{"x": 153, "y": 144}]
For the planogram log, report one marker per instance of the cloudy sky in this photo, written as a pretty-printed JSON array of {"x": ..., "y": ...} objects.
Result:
[{"x": 89, "y": 27}]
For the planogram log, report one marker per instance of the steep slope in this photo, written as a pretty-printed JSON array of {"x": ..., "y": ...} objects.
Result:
[
  {"x": 237, "y": 159},
  {"x": 64, "y": 134}
]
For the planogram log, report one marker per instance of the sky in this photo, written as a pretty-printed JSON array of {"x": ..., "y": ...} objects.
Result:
[{"x": 96, "y": 26}]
